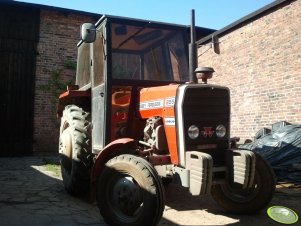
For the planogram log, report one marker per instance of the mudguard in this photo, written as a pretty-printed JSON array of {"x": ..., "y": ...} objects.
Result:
[
  {"x": 117, "y": 147},
  {"x": 76, "y": 97}
]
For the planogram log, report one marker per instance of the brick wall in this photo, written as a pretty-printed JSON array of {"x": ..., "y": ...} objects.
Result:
[
  {"x": 260, "y": 61},
  {"x": 59, "y": 34}
]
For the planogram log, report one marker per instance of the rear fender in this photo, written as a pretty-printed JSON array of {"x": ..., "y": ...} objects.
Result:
[
  {"x": 117, "y": 147},
  {"x": 77, "y": 97}
]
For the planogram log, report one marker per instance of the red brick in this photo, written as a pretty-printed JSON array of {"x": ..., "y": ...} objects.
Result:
[
  {"x": 59, "y": 34},
  {"x": 260, "y": 63}
]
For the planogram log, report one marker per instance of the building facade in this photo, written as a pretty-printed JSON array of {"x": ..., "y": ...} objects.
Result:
[
  {"x": 36, "y": 44},
  {"x": 259, "y": 59},
  {"x": 59, "y": 34},
  {"x": 38, "y": 56}
]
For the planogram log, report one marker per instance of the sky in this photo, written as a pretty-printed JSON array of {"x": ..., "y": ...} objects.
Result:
[{"x": 214, "y": 14}]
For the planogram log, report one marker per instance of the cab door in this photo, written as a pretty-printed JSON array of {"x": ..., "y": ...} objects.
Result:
[{"x": 98, "y": 90}]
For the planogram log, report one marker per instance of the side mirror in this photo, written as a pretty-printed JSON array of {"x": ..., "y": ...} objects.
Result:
[{"x": 88, "y": 32}]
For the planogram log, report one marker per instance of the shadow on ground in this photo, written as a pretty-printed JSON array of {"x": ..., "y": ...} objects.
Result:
[
  {"x": 184, "y": 209},
  {"x": 32, "y": 193}
]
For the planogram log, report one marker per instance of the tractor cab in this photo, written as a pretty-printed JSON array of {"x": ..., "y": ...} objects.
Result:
[{"x": 125, "y": 56}]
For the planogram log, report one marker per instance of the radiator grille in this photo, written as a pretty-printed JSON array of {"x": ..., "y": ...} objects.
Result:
[{"x": 206, "y": 106}]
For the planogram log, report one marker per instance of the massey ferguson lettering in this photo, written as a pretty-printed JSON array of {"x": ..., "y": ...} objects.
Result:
[{"x": 151, "y": 105}]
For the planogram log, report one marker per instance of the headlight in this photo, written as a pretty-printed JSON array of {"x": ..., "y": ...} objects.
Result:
[
  {"x": 193, "y": 132},
  {"x": 220, "y": 131}
]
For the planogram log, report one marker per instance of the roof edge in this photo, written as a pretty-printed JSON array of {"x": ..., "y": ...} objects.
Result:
[
  {"x": 97, "y": 16},
  {"x": 247, "y": 18},
  {"x": 49, "y": 8}
]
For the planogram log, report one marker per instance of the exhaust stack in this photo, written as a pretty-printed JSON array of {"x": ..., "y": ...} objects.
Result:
[{"x": 192, "y": 50}]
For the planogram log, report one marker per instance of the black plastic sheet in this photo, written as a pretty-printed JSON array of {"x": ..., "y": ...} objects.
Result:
[{"x": 282, "y": 149}]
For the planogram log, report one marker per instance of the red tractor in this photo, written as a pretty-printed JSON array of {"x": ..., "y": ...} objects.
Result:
[{"x": 137, "y": 116}]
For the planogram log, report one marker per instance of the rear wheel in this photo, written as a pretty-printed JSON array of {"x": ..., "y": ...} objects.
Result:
[
  {"x": 130, "y": 192},
  {"x": 244, "y": 201},
  {"x": 74, "y": 148}
]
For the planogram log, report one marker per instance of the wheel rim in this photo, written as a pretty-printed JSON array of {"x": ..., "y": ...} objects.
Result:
[
  {"x": 125, "y": 197},
  {"x": 243, "y": 195}
]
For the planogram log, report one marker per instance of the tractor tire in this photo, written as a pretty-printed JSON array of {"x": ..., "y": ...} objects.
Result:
[
  {"x": 130, "y": 192},
  {"x": 251, "y": 200},
  {"x": 75, "y": 150}
]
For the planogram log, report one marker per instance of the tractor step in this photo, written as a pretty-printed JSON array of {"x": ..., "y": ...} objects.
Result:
[{"x": 200, "y": 166}]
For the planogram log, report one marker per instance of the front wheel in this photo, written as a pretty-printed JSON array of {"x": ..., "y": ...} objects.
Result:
[
  {"x": 244, "y": 201},
  {"x": 130, "y": 192}
]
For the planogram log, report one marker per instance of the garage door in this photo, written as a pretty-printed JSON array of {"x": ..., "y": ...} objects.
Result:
[{"x": 19, "y": 29}]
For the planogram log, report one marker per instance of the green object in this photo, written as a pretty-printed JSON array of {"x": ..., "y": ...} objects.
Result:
[{"x": 282, "y": 214}]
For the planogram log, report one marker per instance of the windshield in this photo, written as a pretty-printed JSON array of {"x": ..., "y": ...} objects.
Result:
[{"x": 145, "y": 53}]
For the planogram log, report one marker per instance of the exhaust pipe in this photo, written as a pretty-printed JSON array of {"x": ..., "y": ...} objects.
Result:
[{"x": 192, "y": 50}]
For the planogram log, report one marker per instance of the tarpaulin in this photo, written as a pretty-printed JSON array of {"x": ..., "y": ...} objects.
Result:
[{"x": 282, "y": 149}]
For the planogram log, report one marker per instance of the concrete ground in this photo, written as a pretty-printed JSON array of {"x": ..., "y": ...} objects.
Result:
[{"x": 32, "y": 193}]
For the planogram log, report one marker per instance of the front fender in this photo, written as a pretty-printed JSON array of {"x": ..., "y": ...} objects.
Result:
[{"x": 117, "y": 147}]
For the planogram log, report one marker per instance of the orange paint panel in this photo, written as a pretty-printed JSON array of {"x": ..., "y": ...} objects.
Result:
[
  {"x": 152, "y": 100},
  {"x": 159, "y": 101}
]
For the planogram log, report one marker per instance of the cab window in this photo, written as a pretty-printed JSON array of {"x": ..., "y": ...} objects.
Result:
[
  {"x": 83, "y": 65},
  {"x": 146, "y": 53}
]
